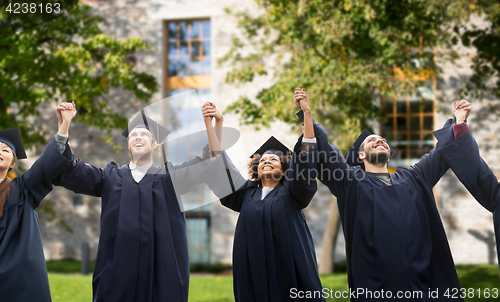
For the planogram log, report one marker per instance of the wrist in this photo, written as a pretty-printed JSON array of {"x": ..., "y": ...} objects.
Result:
[
  {"x": 306, "y": 110},
  {"x": 63, "y": 129}
]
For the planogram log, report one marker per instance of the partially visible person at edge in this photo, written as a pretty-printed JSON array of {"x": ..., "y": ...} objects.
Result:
[
  {"x": 23, "y": 273},
  {"x": 273, "y": 252},
  {"x": 395, "y": 240},
  {"x": 143, "y": 250},
  {"x": 473, "y": 171}
]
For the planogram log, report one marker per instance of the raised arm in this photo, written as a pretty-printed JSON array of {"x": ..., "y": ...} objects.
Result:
[
  {"x": 432, "y": 166},
  {"x": 38, "y": 179},
  {"x": 77, "y": 176},
  {"x": 301, "y": 177},
  {"x": 463, "y": 157},
  {"x": 214, "y": 170},
  {"x": 211, "y": 112},
  {"x": 332, "y": 169}
]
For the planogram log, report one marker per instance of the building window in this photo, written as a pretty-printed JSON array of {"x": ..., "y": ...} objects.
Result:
[
  {"x": 198, "y": 228},
  {"x": 188, "y": 60},
  {"x": 188, "y": 66},
  {"x": 409, "y": 126},
  {"x": 411, "y": 120}
]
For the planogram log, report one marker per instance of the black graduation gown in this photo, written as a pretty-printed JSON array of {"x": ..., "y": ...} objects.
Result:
[
  {"x": 143, "y": 252},
  {"x": 395, "y": 240},
  {"x": 23, "y": 273},
  {"x": 273, "y": 251},
  {"x": 474, "y": 174}
]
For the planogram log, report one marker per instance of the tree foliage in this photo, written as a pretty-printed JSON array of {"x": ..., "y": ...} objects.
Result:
[
  {"x": 67, "y": 59},
  {"x": 348, "y": 54},
  {"x": 486, "y": 42}
]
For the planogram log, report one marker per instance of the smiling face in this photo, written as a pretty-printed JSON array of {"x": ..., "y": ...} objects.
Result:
[
  {"x": 7, "y": 158},
  {"x": 270, "y": 167},
  {"x": 375, "y": 150},
  {"x": 141, "y": 144}
]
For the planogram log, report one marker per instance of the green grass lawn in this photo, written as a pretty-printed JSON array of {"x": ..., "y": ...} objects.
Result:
[{"x": 78, "y": 288}]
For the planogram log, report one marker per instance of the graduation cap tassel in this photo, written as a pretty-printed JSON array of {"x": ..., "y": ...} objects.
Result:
[
  {"x": 164, "y": 153},
  {"x": 158, "y": 153}
]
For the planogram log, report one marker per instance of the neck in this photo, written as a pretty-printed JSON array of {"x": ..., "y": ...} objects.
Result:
[
  {"x": 142, "y": 161},
  {"x": 271, "y": 183},
  {"x": 375, "y": 168},
  {"x": 3, "y": 174}
]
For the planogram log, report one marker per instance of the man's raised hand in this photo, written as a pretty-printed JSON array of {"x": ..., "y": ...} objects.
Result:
[
  {"x": 65, "y": 112},
  {"x": 462, "y": 110},
  {"x": 300, "y": 98},
  {"x": 210, "y": 110}
]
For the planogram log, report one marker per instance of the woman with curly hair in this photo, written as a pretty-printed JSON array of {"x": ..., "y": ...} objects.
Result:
[
  {"x": 273, "y": 253},
  {"x": 23, "y": 272}
]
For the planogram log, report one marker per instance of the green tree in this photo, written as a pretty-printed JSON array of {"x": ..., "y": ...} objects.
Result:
[
  {"x": 67, "y": 59},
  {"x": 486, "y": 41},
  {"x": 348, "y": 54}
]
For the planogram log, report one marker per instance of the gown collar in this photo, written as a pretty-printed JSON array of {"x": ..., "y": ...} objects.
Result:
[{"x": 143, "y": 168}]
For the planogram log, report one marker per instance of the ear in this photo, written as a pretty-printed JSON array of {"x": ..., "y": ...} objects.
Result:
[
  {"x": 155, "y": 145},
  {"x": 12, "y": 165},
  {"x": 362, "y": 155}
]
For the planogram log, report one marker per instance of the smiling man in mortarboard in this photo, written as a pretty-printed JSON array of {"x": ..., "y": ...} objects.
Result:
[
  {"x": 143, "y": 252},
  {"x": 395, "y": 240}
]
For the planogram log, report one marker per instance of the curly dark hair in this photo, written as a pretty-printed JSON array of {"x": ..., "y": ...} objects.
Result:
[{"x": 253, "y": 165}]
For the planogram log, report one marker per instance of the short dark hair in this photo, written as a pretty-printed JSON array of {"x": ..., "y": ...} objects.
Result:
[
  {"x": 253, "y": 166},
  {"x": 362, "y": 147}
]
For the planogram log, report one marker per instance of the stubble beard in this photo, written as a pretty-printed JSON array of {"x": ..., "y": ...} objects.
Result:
[{"x": 377, "y": 158}]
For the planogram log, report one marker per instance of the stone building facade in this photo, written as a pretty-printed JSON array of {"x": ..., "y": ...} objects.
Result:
[{"x": 468, "y": 225}]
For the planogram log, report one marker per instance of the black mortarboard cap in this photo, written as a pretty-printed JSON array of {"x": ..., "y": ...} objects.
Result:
[
  {"x": 12, "y": 138},
  {"x": 140, "y": 120},
  {"x": 274, "y": 146},
  {"x": 352, "y": 156}
]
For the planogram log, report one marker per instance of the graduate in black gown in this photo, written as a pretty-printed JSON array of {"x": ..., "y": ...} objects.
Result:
[
  {"x": 471, "y": 169},
  {"x": 395, "y": 240},
  {"x": 273, "y": 252},
  {"x": 143, "y": 252},
  {"x": 23, "y": 273}
]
